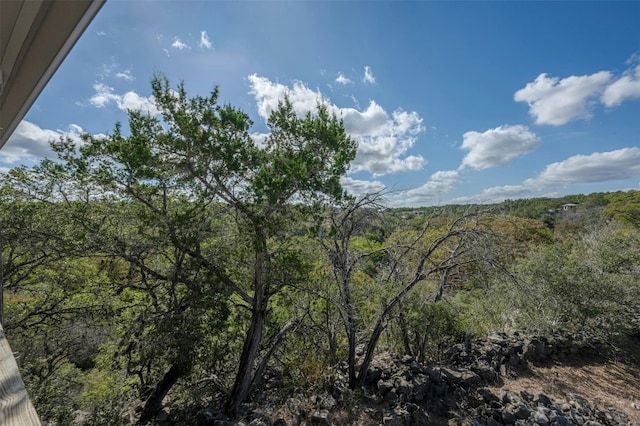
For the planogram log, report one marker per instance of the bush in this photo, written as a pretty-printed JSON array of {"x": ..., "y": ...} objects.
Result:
[{"x": 426, "y": 329}]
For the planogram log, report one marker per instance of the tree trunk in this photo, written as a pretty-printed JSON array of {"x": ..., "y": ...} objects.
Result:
[
  {"x": 368, "y": 357},
  {"x": 242, "y": 386},
  {"x": 289, "y": 325},
  {"x": 404, "y": 331},
  {"x": 351, "y": 333},
  {"x": 154, "y": 402}
]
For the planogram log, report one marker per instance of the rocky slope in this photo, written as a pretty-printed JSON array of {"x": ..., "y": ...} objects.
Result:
[{"x": 504, "y": 379}]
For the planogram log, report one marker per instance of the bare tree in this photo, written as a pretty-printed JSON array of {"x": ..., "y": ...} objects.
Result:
[{"x": 436, "y": 252}]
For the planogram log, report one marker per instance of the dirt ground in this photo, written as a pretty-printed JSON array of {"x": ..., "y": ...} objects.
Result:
[{"x": 610, "y": 384}]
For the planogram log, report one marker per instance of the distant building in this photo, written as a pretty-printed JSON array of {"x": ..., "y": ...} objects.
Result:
[{"x": 569, "y": 207}]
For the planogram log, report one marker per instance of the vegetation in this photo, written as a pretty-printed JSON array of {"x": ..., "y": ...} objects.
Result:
[{"x": 184, "y": 259}]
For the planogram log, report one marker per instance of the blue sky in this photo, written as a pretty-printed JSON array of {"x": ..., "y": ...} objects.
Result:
[{"x": 449, "y": 101}]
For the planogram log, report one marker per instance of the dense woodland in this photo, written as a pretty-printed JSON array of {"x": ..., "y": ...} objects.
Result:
[{"x": 178, "y": 258}]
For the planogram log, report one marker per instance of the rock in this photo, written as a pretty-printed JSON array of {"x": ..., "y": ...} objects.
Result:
[
  {"x": 486, "y": 373},
  {"x": 321, "y": 417},
  {"x": 384, "y": 387},
  {"x": 522, "y": 412},
  {"x": 527, "y": 396},
  {"x": 208, "y": 416},
  {"x": 391, "y": 396},
  {"x": 395, "y": 418},
  {"x": 327, "y": 402},
  {"x": 420, "y": 391},
  {"x": 540, "y": 419},
  {"x": 542, "y": 399},
  {"x": 419, "y": 417},
  {"x": 402, "y": 386},
  {"x": 492, "y": 422},
  {"x": 162, "y": 416},
  {"x": 460, "y": 377},
  {"x": 373, "y": 376},
  {"x": 561, "y": 421},
  {"x": 508, "y": 417},
  {"x": 487, "y": 395},
  {"x": 514, "y": 359}
]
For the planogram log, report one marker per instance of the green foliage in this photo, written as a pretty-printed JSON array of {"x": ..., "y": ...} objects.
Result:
[
  {"x": 184, "y": 222},
  {"x": 624, "y": 207},
  {"x": 588, "y": 282},
  {"x": 425, "y": 329},
  {"x": 169, "y": 258}
]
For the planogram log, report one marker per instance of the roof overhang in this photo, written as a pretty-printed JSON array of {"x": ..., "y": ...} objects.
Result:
[{"x": 35, "y": 37}]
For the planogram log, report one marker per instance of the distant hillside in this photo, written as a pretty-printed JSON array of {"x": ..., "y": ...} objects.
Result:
[{"x": 621, "y": 204}]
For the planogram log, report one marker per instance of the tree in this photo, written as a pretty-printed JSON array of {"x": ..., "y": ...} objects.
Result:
[
  {"x": 208, "y": 206},
  {"x": 343, "y": 225},
  {"x": 439, "y": 252},
  {"x": 625, "y": 207}
]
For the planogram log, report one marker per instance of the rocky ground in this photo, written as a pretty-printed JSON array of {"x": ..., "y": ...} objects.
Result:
[{"x": 504, "y": 379}]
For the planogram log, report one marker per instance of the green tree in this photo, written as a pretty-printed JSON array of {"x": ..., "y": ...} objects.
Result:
[
  {"x": 624, "y": 207},
  {"x": 198, "y": 208}
]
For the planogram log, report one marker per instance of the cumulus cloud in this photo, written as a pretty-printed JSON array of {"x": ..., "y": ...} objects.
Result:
[
  {"x": 204, "y": 43},
  {"x": 620, "y": 164},
  {"x": 556, "y": 102},
  {"x": 179, "y": 44},
  {"x": 497, "y": 147},
  {"x": 30, "y": 142},
  {"x": 368, "y": 77},
  {"x": 268, "y": 93},
  {"x": 361, "y": 187},
  {"x": 104, "y": 95},
  {"x": 439, "y": 183},
  {"x": 384, "y": 138},
  {"x": 597, "y": 167},
  {"x": 341, "y": 79},
  {"x": 626, "y": 87}
]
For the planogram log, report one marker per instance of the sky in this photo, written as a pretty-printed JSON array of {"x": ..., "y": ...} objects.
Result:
[{"x": 450, "y": 102}]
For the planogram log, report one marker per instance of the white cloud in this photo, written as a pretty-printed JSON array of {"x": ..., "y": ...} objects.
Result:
[
  {"x": 267, "y": 95},
  {"x": 368, "y": 77},
  {"x": 103, "y": 96},
  {"x": 341, "y": 79},
  {"x": 129, "y": 101},
  {"x": 30, "y": 142},
  {"x": 113, "y": 70},
  {"x": 597, "y": 167},
  {"x": 101, "y": 33},
  {"x": 205, "y": 43},
  {"x": 626, "y": 87},
  {"x": 125, "y": 75},
  {"x": 361, "y": 187},
  {"x": 179, "y": 44},
  {"x": 383, "y": 138},
  {"x": 370, "y": 122},
  {"x": 556, "y": 102},
  {"x": 497, "y": 147},
  {"x": 497, "y": 194},
  {"x": 438, "y": 184}
]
